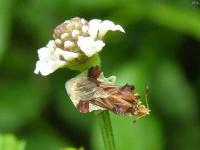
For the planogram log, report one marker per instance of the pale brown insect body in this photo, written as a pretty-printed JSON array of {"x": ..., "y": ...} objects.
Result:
[{"x": 91, "y": 91}]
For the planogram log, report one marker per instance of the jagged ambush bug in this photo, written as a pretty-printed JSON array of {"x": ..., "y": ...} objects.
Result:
[{"x": 91, "y": 91}]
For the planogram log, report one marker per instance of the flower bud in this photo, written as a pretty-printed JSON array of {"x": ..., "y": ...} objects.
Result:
[{"x": 68, "y": 33}]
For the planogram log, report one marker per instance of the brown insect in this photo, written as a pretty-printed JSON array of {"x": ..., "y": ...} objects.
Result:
[{"x": 92, "y": 91}]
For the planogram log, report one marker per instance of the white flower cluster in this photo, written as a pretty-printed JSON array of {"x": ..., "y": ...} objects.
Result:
[
  {"x": 51, "y": 58},
  {"x": 73, "y": 39}
]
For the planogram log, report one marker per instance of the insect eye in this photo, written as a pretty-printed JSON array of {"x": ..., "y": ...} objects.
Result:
[{"x": 128, "y": 87}]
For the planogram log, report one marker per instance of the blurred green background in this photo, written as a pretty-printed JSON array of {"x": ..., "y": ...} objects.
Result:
[{"x": 161, "y": 48}]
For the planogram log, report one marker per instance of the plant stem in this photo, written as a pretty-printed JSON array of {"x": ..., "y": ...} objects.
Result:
[
  {"x": 106, "y": 130},
  {"x": 103, "y": 117}
]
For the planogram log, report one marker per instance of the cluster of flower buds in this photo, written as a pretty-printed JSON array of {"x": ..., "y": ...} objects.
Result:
[
  {"x": 66, "y": 34},
  {"x": 74, "y": 40}
]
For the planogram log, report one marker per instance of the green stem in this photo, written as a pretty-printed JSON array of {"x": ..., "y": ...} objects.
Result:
[
  {"x": 106, "y": 130},
  {"x": 104, "y": 118}
]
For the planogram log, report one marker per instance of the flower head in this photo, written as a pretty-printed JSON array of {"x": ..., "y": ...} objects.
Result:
[{"x": 75, "y": 40}]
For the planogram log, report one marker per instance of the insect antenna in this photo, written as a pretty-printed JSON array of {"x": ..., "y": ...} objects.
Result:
[
  {"x": 136, "y": 117},
  {"x": 146, "y": 96},
  {"x": 134, "y": 120}
]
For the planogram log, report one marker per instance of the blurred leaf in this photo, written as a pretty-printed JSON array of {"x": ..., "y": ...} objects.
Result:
[
  {"x": 5, "y": 16},
  {"x": 71, "y": 148},
  {"x": 164, "y": 14},
  {"x": 10, "y": 142},
  {"x": 41, "y": 24},
  {"x": 21, "y": 102},
  {"x": 155, "y": 31},
  {"x": 42, "y": 136},
  {"x": 89, "y": 4},
  {"x": 174, "y": 17},
  {"x": 186, "y": 138},
  {"x": 174, "y": 95}
]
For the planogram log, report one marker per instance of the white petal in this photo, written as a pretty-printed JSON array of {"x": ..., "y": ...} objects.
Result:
[
  {"x": 51, "y": 44},
  {"x": 89, "y": 46},
  {"x": 48, "y": 60},
  {"x": 108, "y": 25},
  {"x": 36, "y": 71},
  {"x": 66, "y": 54},
  {"x": 48, "y": 66},
  {"x": 70, "y": 55},
  {"x": 46, "y": 52},
  {"x": 43, "y": 53},
  {"x": 94, "y": 26}
]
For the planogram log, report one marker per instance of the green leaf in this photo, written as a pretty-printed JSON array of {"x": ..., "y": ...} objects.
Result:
[
  {"x": 167, "y": 15},
  {"x": 173, "y": 94},
  {"x": 5, "y": 19},
  {"x": 42, "y": 136},
  {"x": 72, "y": 148},
  {"x": 21, "y": 101},
  {"x": 10, "y": 142}
]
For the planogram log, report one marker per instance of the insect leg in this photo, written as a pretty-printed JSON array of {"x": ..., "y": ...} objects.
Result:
[{"x": 83, "y": 106}]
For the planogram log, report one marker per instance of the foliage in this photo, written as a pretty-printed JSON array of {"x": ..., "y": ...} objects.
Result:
[
  {"x": 160, "y": 49},
  {"x": 9, "y": 142}
]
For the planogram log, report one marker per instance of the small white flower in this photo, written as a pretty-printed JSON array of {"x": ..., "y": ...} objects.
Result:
[
  {"x": 75, "y": 38},
  {"x": 66, "y": 54},
  {"x": 89, "y": 46},
  {"x": 94, "y": 26},
  {"x": 98, "y": 28},
  {"x": 52, "y": 58},
  {"x": 93, "y": 43},
  {"x": 107, "y": 26},
  {"x": 45, "y": 67}
]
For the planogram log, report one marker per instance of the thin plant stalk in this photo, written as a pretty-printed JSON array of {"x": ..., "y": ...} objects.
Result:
[
  {"x": 106, "y": 130},
  {"x": 104, "y": 117}
]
